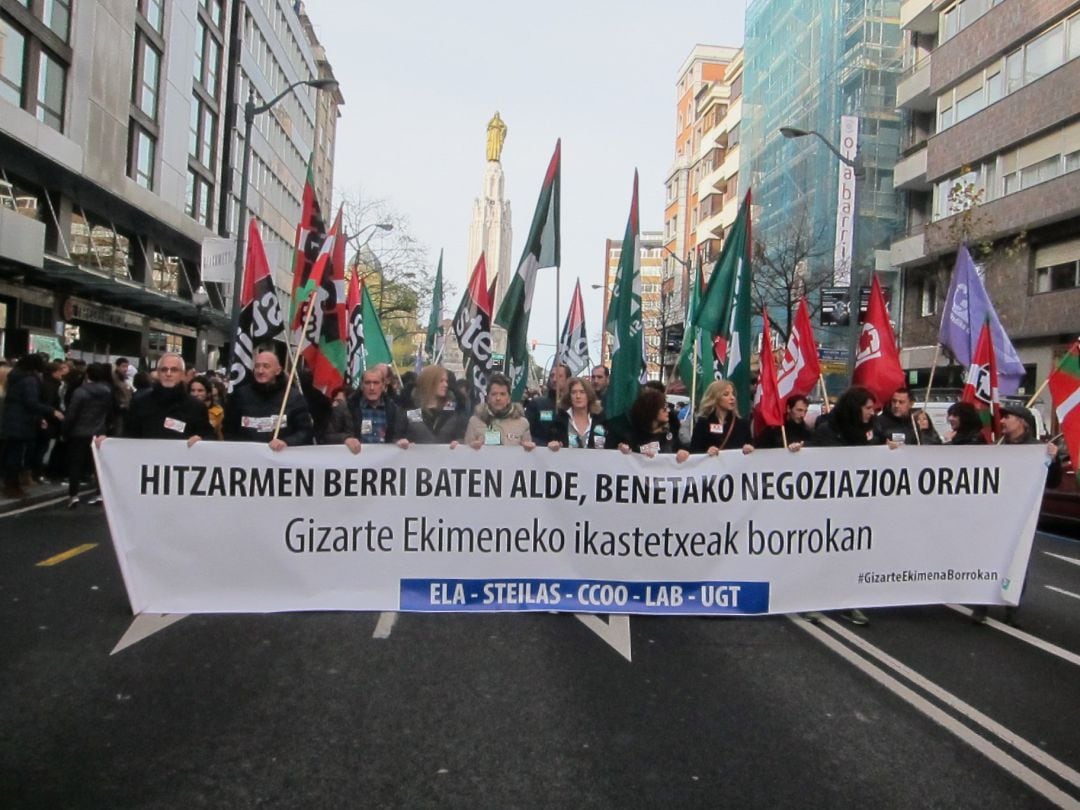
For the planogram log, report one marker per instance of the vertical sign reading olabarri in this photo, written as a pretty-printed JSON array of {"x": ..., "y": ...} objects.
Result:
[{"x": 845, "y": 202}]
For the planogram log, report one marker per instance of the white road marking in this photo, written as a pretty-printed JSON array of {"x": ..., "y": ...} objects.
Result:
[
  {"x": 615, "y": 632},
  {"x": 32, "y": 507},
  {"x": 386, "y": 623},
  {"x": 145, "y": 625},
  {"x": 1027, "y": 638},
  {"x": 1072, "y": 560},
  {"x": 1062, "y": 591},
  {"x": 992, "y": 752}
]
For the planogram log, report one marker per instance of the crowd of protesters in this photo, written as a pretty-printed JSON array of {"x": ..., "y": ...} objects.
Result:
[{"x": 52, "y": 412}]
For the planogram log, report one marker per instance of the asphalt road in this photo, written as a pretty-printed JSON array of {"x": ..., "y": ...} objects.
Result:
[{"x": 921, "y": 709}]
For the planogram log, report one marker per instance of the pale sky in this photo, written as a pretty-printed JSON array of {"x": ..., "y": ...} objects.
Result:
[{"x": 421, "y": 79}]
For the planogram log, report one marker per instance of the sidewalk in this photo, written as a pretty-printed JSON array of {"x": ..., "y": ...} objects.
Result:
[{"x": 37, "y": 493}]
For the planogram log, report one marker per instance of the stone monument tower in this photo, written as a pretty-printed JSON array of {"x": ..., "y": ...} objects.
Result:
[{"x": 490, "y": 231}]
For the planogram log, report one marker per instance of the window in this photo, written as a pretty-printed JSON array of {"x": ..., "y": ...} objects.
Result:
[
  {"x": 153, "y": 12},
  {"x": 927, "y": 296},
  {"x": 995, "y": 87},
  {"x": 56, "y": 14},
  {"x": 1040, "y": 172},
  {"x": 1074, "y": 38},
  {"x": 12, "y": 60},
  {"x": 50, "y": 93},
  {"x": 141, "y": 155},
  {"x": 1064, "y": 276},
  {"x": 1044, "y": 54},
  {"x": 969, "y": 105},
  {"x": 147, "y": 76}
]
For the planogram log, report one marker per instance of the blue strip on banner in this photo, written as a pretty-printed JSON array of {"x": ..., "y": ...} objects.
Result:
[{"x": 583, "y": 596}]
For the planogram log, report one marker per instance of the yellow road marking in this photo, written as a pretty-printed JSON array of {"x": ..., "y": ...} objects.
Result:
[{"x": 66, "y": 555}]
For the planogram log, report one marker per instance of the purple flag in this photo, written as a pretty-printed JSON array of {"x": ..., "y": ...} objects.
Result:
[{"x": 967, "y": 303}]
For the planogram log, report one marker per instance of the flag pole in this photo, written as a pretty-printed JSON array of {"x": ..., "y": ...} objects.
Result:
[
  {"x": 1038, "y": 392},
  {"x": 292, "y": 373},
  {"x": 824, "y": 394},
  {"x": 915, "y": 429},
  {"x": 933, "y": 368},
  {"x": 558, "y": 285},
  {"x": 783, "y": 434},
  {"x": 693, "y": 376}
]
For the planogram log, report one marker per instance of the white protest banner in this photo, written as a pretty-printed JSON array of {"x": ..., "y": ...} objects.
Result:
[{"x": 227, "y": 527}]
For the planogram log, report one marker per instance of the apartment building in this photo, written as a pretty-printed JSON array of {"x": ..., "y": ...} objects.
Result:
[
  {"x": 651, "y": 254},
  {"x": 991, "y": 99}
]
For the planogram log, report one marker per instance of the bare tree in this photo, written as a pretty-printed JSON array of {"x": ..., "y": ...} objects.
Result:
[
  {"x": 394, "y": 266},
  {"x": 788, "y": 268}
]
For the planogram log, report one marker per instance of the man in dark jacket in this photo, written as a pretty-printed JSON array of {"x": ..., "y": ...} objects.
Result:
[
  {"x": 894, "y": 424},
  {"x": 369, "y": 416},
  {"x": 23, "y": 414},
  {"x": 540, "y": 411},
  {"x": 252, "y": 412},
  {"x": 167, "y": 410}
]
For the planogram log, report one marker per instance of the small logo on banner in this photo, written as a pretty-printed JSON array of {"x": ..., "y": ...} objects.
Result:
[{"x": 584, "y": 596}]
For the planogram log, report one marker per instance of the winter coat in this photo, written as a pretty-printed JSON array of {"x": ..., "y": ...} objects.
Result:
[
  {"x": 91, "y": 408},
  {"x": 828, "y": 434},
  {"x": 888, "y": 427},
  {"x": 166, "y": 413},
  {"x": 797, "y": 433},
  {"x": 347, "y": 422},
  {"x": 513, "y": 429},
  {"x": 23, "y": 408},
  {"x": 595, "y": 439},
  {"x": 541, "y": 413},
  {"x": 251, "y": 415},
  {"x": 436, "y": 425},
  {"x": 709, "y": 432}
]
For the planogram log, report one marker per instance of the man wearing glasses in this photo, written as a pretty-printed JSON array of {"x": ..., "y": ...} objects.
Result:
[{"x": 167, "y": 410}]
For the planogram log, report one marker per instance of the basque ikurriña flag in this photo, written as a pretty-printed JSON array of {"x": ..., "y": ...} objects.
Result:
[
  {"x": 260, "y": 311},
  {"x": 1065, "y": 394},
  {"x": 981, "y": 386},
  {"x": 573, "y": 343},
  {"x": 472, "y": 327}
]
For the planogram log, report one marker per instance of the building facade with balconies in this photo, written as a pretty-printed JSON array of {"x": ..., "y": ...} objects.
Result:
[
  {"x": 989, "y": 154},
  {"x": 118, "y": 156}
]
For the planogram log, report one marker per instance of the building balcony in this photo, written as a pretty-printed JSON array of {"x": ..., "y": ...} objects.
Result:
[
  {"x": 909, "y": 247},
  {"x": 913, "y": 89},
  {"x": 714, "y": 181},
  {"x": 918, "y": 16},
  {"x": 711, "y": 227},
  {"x": 910, "y": 171}
]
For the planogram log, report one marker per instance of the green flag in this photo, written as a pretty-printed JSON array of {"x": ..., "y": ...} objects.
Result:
[
  {"x": 624, "y": 321},
  {"x": 697, "y": 347},
  {"x": 376, "y": 348},
  {"x": 434, "y": 327},
  {"x": 725, "y": 307},
  {"x": 541, "y": 250}
]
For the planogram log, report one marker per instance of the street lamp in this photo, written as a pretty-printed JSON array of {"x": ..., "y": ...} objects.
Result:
[
  {"x": 251, "y": 109},
  {"x": 858, "y": 171},
  {"x": 200, "y": 298}
]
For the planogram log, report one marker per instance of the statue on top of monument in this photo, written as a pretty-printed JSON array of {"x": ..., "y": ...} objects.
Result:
[{"x": 496, "y": 134}]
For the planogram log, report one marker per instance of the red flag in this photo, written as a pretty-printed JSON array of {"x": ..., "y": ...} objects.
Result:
[
  {"x": 981, "y": 387},
  {"x": 310, "y": 233},
  {"x": 260, "y": 312},
  {"x": 877, "y": 361},
  {"x": 1065, "y": 394},
  {"x": 472, "y": 327},
  {"x": 768, "y": 409},
  {"x": 325, "y": 347},
  {"x": 574, "y": 343},
  {"x": 800, "y": 369}
]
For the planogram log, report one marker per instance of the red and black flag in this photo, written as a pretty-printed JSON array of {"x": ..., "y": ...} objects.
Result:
[
  {"x": 325, "y": 343},
  {"x": 310, "y": 235},
  {"x": 574, "y": 343},
  {"x": 260, "y": 311},
  {"x": 472, "y": 327}
]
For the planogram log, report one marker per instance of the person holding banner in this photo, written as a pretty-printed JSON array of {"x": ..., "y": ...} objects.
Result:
[
  {"x": 436, "y": 419},
  {"x": 895, "y": 423},
  {"x": 252, "y": 413},
  {"x": 928, "y": 434},
  {"x": 1018, "y": 427},
  {"x": 368, "y": 416},
  {"x": 718, "y": 425},
  {"x": 166, "y": 410},
  {"x": 540, "y": 411},
  {"x": 580, "y": 421},
  {"x": 967, "y": 427},
  {"x": 795, "y": 429},
  {"x": 497, "y": 420},
  {"x": 851, "y": 421},
  {"x": 647, "y": 429}
]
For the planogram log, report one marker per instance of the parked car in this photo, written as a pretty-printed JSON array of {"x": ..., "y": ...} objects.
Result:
[{"x": 1061, "y": 504}]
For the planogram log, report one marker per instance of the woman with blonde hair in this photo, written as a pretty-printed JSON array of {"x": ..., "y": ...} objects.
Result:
[
  {"x": 436, "y": 419},
  {"x": 718, "y": 425},
  {"x": 580, "y": 421}
]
